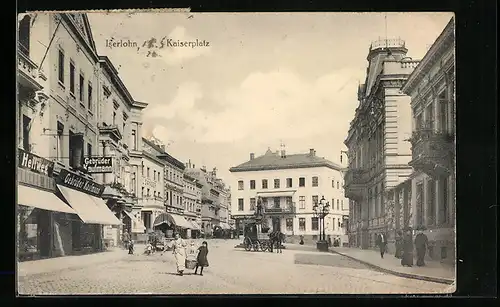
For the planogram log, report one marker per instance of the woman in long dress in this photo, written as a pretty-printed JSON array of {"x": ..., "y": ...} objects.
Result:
[
  {"x": 407, "y": 259},
  {"x": 179, "y": 250}
]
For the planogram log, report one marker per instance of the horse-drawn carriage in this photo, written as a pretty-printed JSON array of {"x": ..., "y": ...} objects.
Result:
[{"x": 256, "y": 238}]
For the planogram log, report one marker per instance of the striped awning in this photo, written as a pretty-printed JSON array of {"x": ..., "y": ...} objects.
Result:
[
  {"x": 172, "y": 219},
  {"x": 196, "y": 226}
]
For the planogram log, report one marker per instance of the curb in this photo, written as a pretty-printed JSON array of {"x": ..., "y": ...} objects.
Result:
[{"x": 400, "y": 274}]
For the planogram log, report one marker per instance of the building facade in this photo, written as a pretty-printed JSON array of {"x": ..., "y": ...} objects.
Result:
[
  {"x": 192, "y": 205},
  {"x": 378, "y": 150},
  {"x": 289, "y": 186},
  {"x": 60, "y": 209},
  {"x": 432, "y": 90}
]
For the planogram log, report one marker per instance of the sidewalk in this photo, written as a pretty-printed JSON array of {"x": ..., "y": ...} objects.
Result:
[
  {"x": 28, "y": 268},
  {"x": 433, "y": 271}
]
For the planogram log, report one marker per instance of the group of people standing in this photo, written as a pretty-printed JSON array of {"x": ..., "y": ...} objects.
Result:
[
  {"x": 405, "y": 246},
  {"x": 181, "y": 252}
]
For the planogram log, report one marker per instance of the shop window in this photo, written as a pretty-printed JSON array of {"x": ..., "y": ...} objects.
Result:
[
  {"x": 28, "y": 233},
  {"x": 276, "y": 202}
]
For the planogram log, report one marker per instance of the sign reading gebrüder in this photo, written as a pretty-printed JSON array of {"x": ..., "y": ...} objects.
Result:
[
  {"x": 35, "y": 163},
  {"x": 79, "y": 183},
  {"x": 98, "y": 165}
]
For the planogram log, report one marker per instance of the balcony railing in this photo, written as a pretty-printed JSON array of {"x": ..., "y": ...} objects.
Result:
[
  {"x": 287, "y": 209},
  {"x": 432, "y": 152},
  {"x": 28, "y": 71},
  {"x": 355, "y": 176}
]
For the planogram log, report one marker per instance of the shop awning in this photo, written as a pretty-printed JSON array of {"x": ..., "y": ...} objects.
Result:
[
  {"x": 32, "y": 197},
  {"x": 108, "y": 214},
  {"x": 224, "y": 226},
  {"x": 171, "y": 218},
  {"x": 275, "y": 194},
  {"x": 137, "y": 226},
  {"x": 195, "y": 224},
  {"x": 86, "y": 208}
]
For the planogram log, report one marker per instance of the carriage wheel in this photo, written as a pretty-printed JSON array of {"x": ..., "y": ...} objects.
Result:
[
  {"x": 257, "y": 246},
  {"x": 248, "y": 244}
]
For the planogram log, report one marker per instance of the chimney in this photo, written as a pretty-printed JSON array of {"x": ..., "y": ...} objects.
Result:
[
  {"x": 252, "y": 156},
  {"x": 283, "y": 154},
  {"x": 312, "y": 152}
]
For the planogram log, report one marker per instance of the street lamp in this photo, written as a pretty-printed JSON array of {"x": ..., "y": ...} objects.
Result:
[{"x": 321, "y": 210}]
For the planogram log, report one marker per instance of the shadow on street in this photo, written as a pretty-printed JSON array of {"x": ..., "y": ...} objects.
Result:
[{"x": 331, "y": 260}]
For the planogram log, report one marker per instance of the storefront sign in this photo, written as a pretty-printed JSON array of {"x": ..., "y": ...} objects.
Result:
[
  {"x": 35, "y": 163},
  {"x": 79, "y": 183},
  {"x": 98, "y": 165}
]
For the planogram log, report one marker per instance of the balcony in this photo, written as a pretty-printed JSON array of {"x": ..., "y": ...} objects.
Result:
[
  {"x": 27, "y": 71},
  {"x": 151, "y": 202},
  {"x": 278, "y": 210},
  {"x": 110, "y": 130},
  {"x": 354, "y": 183},
  {"x": 432, "y": 152}
]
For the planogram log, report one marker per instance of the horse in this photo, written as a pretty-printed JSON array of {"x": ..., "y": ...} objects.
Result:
[{"x": 276, "y": 237}]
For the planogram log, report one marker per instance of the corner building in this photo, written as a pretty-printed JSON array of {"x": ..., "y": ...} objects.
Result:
[
  {"x": 378, "y": 149},
  {"x": 289, "y": 186}
]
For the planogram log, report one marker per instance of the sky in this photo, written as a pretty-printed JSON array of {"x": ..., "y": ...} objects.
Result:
[{"x": 262, "y": 80}]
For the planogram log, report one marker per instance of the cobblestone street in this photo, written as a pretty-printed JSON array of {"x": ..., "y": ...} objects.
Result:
[{"x": 231, "y": 271}]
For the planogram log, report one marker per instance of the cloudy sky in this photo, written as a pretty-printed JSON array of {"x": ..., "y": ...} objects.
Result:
[{"x": 264, "y": 78}]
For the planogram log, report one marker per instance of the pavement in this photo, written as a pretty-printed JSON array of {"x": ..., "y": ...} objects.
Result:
[
  {"x": 433, "y": 271},
  {"x": 231, "y": 271}
]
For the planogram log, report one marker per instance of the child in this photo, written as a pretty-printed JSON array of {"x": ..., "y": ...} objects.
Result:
[
  {"x": 149, "y": 249},
  {"x": 131, "y": 247},
  {"x": 201, "y": 259}
]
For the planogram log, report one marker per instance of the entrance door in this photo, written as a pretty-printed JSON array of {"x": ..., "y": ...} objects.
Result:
[
  {"x": 276, "y": 223},
  {"x": 44, "y": 232}
]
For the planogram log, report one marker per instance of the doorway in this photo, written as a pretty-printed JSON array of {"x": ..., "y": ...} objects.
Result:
[{"x": 276, "y": 223}]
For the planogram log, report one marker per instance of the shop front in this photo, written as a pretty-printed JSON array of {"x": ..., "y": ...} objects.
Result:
[
  {"x": 38, "y": 208},
  {"x": 83, "y": 194}
]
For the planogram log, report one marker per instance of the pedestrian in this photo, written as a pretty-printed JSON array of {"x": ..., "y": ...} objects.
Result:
[
  {"x": 179, "y": 251},
  {"x": 399, "y": 244},
  {"x": 407, "y": 259},
  {"x": 301, "y": 240},
  {"x": 329, "y": 241},
  {"x": 421, "y": 244},
  {"x": 126, "y": 239},
  {"x": 201, "y": 259},
  {"x": 382, "y": 244},
  {"x": 131, "y": 247}
]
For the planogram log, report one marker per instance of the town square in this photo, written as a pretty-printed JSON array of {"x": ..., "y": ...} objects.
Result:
[{"x": 178, "y": 153}]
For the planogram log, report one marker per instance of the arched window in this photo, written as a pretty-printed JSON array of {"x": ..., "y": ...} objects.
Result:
[{"x": 24, "y": 35}]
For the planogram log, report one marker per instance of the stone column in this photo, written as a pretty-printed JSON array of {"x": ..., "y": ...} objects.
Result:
[{"x": 397, "y": 208}]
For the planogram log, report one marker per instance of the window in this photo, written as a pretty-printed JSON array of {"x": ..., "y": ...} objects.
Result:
[
  {"x": 276, "y": 202},
  {"x": 429, "y": 111},
  {"x": 252, "y": 204},
  {"x": 289, "y": 224},
  {"x": 431, "y": 201},
  {"x": 314, "y": 223},
  {"x": 240, "y": 185},
  {"x": 276, "y": 183},
  {"x": 264, "y": 183},
  {"x": 114, "y": 118},
  {"x": 133, "y": 183},
  {"x": 333, "y": 183},
  {"x": 134, "y": 139},
  {"x": 89, "y": 150},
  {"x": 289, "y": 182},
  {"x": 71, "y": 149},
  {"x": 148, "y": 193},
  {"x": 302, "y": 224},
  {"x": 59, "y": 145},
  {"x": 24, "y": 35},
  {"x": 81, "y": 88},
  {"x": 443, "y": 114},
  {"x": 333, "y": 202},
  {"x": 147, "y": 173},
  {"x": 142, "y": 192},
  {"x": 241, "y": 206},
  {"x": 302, "y": 202},
  {"x": 26, "y": 132},
  {"x": 420, "y": 204},
  {"x": 333, "y": 223},
  {"x": 154, "y": 175},
  {"x": 419, "y": 121},
  {"x": 252, "y": 184},
  {"x": 89, "y": 96},
  {"x": 339, "y": 223},
  {"x": 71, "y": 77},
  {"x": 314, "y": 181},
  {"x": 338, "y": 205},
  {"x": 315, "y": 200},
  {"x": 302, "y": 182},
  {"x": 338, "y": 185},
  {"x": 342, "y": 204},
  {"x": 443, "y": 210},
  {"x": 61, "y": 67}
]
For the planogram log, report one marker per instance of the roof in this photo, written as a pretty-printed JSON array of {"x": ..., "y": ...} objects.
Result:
[
  {"x": 272, "y": 161},
  {"x": 164, "y": 155},
  {"x": 115, "y": 79}
]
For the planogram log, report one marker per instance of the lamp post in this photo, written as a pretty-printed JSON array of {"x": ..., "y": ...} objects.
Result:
[{"x": 321, "y": 210}]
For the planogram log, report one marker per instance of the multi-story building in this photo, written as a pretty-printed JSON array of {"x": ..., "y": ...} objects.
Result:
[
  {"x": 115, "y": 138},
  {"x": 58, "y": 74},
  {"x": 192, "y": 203},
  {"x": 289, "y": 186},
  {"x": 432, "y": 90},
  {"x": 377, "y": 148},
  {"x": 151, "y": 186}
]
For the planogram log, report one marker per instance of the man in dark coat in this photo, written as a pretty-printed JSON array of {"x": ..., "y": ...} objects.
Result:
[
  {"x": 382, "y": 244},
  {"x": 407, "y": 259},
  {"x": 421, "y": 243}
]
